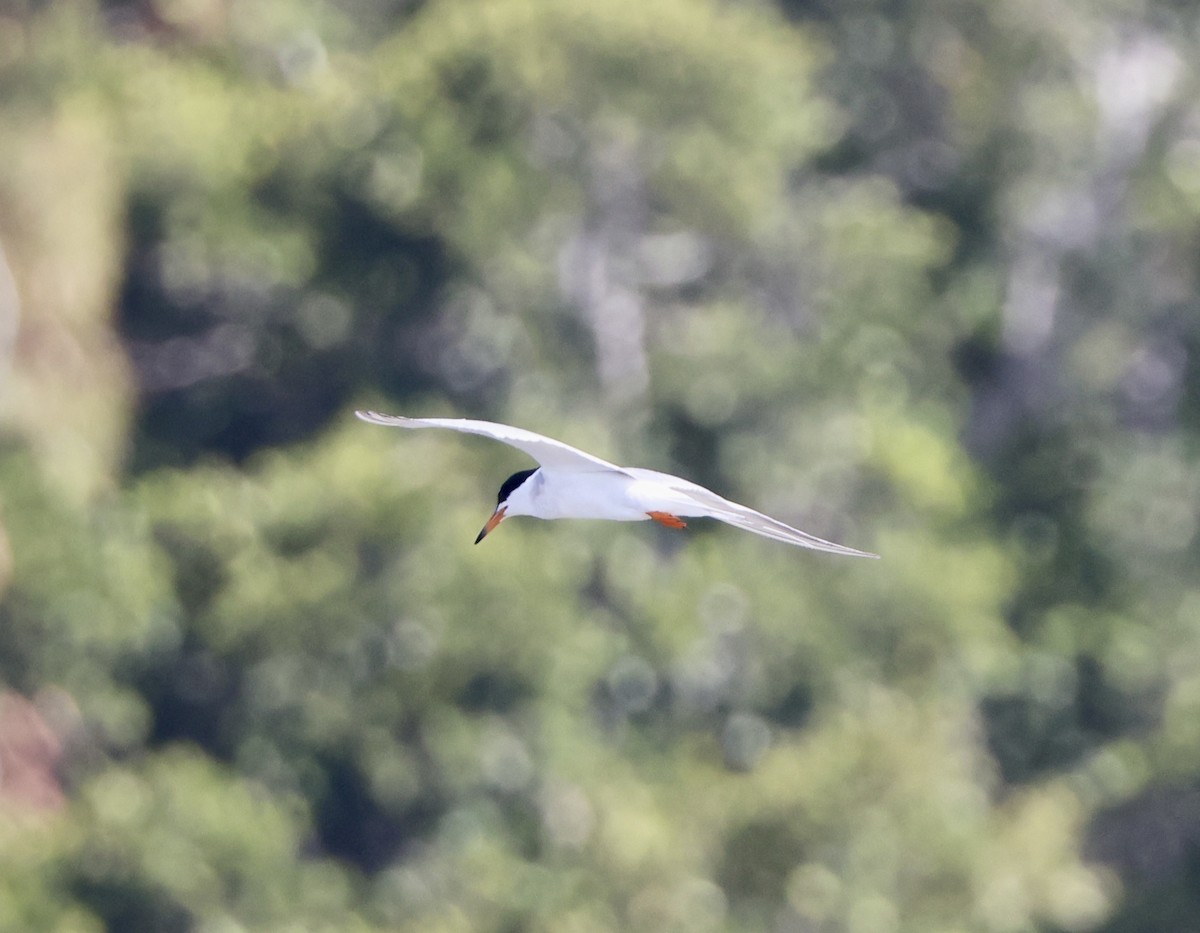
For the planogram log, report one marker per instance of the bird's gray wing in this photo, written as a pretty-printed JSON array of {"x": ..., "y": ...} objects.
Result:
[
  {"x": 705, "y": 502},
  {"x": 548, "y": 452}
]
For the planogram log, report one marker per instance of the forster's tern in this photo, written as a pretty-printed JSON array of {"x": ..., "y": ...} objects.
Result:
[{"x": 572, "y": 484}]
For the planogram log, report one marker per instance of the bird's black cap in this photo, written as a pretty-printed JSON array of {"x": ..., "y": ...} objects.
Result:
[{"x": 510, "y": 484}]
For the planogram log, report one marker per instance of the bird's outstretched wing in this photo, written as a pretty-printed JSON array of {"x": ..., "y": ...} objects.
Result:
[
  {"x": 695, "y": 500},
  {"x": 548, "y": 452}
]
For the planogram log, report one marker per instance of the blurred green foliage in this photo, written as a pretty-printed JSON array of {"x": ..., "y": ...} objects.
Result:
[{"x": 920, "y": 277}]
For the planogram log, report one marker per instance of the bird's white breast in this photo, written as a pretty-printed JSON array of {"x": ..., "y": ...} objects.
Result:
[{"x": 599, "y": 494}]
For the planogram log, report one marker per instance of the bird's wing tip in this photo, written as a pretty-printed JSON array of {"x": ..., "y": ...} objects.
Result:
[
  {"x": 841, "y": 550},
  {"x": 378, "y": 417},
  {"x": 855, "y": 552}
]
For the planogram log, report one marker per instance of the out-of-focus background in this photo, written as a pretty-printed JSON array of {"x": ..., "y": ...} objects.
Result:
[{"x": 920, "y": 277}]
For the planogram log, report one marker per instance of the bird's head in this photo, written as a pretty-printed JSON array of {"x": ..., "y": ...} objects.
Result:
[{"x": 511, "y": 500}]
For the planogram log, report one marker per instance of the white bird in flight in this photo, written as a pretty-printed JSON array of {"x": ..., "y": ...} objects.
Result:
[{"x": 572, "y": 484}]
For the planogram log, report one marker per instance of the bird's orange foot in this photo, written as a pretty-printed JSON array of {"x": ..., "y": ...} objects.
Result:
[{"x": 666, "y": 518}]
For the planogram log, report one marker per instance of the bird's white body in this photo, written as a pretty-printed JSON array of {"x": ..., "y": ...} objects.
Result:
[
  {"x": 628, "y": 496},
  {"x": 560, "y": 494},
  {"x": 573, "y": 484}
]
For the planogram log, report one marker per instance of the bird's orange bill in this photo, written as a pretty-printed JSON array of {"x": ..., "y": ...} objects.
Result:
[
  {"x": 666, "y": 518},
  {"x": 492, "y": 522}
]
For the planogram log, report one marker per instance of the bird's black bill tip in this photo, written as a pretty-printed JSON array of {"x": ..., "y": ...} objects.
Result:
[{"x": 482, "y": 534}]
